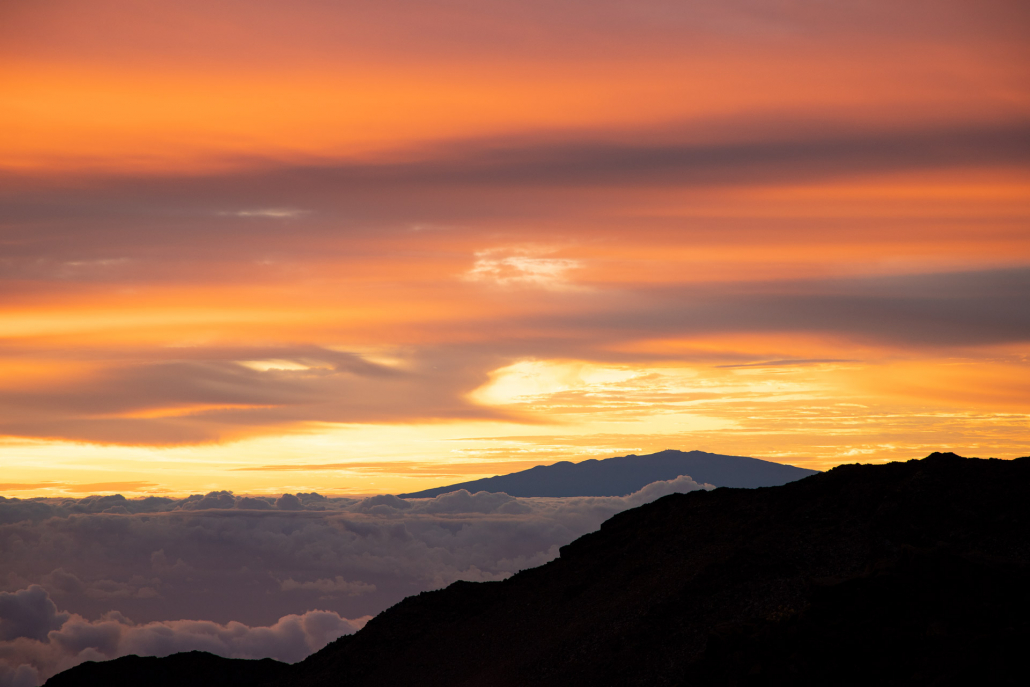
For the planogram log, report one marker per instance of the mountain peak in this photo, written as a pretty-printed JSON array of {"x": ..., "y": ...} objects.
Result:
[{"x": 624, "y": 475}]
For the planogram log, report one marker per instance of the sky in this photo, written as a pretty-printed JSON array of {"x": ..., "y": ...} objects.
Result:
[{"x": 374, "y": 247}]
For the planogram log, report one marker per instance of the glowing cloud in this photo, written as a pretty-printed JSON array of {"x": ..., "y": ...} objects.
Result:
[{"x": 522, "y": 267}]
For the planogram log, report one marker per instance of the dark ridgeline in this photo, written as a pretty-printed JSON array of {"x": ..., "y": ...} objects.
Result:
[
  {"x": 900, "y": 574},
  {"x": 627, "y": 474},
  {"x": 178, "y": 670}
]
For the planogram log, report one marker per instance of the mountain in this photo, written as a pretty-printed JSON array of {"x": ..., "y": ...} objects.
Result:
[
  {"x": 186, "y": 669},
  {"x": 897, "y": 574},
  {"x": 627, "y": 474}
]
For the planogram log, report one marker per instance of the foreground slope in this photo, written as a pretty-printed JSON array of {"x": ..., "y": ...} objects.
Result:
[
  {"x": 906, "y": 573},
  {"x": 627, "y": 474}
]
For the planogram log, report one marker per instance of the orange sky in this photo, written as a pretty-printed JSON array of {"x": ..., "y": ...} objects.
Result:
[{"x": 360, "y": 247}]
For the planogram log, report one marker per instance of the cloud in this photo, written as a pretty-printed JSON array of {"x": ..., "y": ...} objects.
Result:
[
  {"x": 462, "y": 501},
  {"x": 386, "y": 503},
  {"x": 629, "y": 196},
  {"x": 183, "y": 401},
  {"x": 157, "y": 555},
  {"x": 16, "y": 510},
  {"x": 458, "y": 32},
  {"x": 46, "y": 642},
  {"x": 933, "y": 310},
  {"x": 23, "y": 675},
  {"x": 28, "y": 613},
  {"x": 215, "y": 499},
  {"x": 288, "y": 502},
  {"x": 162, "y": 228},
  {"x": 251, "y": 503},
  {"x": 788, "y": 363},
  {"x": 273, "y": 213},
  {"x": 520, "y": 267},
  {"x": 251, "y": 577},
  {"x": 327, "y": 587},
  {"x": 207, "y": 395},
  {"x": 656, "y": 490}
]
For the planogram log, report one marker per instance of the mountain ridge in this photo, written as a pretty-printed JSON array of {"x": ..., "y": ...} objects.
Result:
[{"x": 622, "y": 475}]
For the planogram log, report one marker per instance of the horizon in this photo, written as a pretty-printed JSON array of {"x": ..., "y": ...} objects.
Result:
[
  {"x": 374, "y": 248},
  {"x": 457, "y": 485},
  {"x": 348, "y": 495}
]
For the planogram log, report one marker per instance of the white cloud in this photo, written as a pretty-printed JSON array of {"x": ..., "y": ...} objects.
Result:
[
  {"x": 521, "y": 267},
  {"x": 30, "y": 659},
  {"x": 528, "y": 380}
]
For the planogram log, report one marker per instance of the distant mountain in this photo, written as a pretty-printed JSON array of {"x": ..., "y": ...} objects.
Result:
[
  {"x": 899, "y": 574},
  {"x": 627, "y": 474}
]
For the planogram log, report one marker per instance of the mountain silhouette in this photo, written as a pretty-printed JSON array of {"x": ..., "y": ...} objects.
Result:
[
  {"x": 627, "y": 474},
  {"x": 185, "y": 669},
  {"x": 897, "y": 574}
]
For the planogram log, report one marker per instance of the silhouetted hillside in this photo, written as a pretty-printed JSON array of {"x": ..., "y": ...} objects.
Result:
[
  {"x": 626, "y": 474},
  {"x": 186, "y": 669},
  {"x": 905, "y": 573}
]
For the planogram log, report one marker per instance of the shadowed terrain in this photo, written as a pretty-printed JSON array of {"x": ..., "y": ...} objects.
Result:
[
  {"x": 905, "y": 573},
  {"x": 187, "y": 668},
  {"x": 626, "y": 474}
]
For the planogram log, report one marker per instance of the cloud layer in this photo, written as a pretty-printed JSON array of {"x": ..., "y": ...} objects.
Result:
[
  {"x": 251, "y": 575},
  {"x": 27, "y": 657},
  {"x": 208, "y": 394}
]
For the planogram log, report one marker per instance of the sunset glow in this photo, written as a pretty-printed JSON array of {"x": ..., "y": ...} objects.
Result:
[{"x": 362, "y": 248}]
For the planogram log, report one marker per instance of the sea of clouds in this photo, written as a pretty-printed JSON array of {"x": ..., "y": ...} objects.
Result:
[{"x": 105, "y": 576}]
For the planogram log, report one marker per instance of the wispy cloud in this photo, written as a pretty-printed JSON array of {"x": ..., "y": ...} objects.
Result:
[
  {"x": 273, "y": 213},
  {"x": 789, "y": 362},
  {"x": 522, "y": 267}
]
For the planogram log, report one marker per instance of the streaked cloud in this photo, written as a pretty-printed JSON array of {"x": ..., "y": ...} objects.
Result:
[
  {"x": 184, "y": 401},
  {"x": 273, "y": 213},
  {"x": 588, "y": 348}
]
